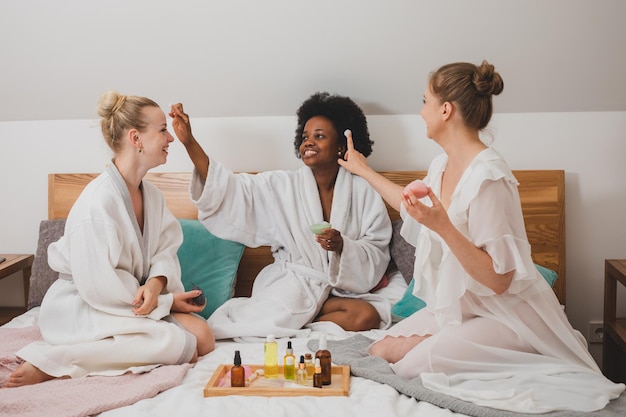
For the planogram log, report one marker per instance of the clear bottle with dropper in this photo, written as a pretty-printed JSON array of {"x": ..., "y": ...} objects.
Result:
[
  {"x": 289, "y": 363},
  {"x": 301, "y": 373}
]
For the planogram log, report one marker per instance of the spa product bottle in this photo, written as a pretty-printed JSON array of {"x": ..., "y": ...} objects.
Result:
[
  {"x": 301, "y": 374},
  {"x": 317, "y": 376},
  {"x": 323, "y": 354},
  {"x": 237, "y": 373},
  {"x": 289, "y": 363},
  {"x": 310, "y": 367},
  {"x": 270, "y": 351}
]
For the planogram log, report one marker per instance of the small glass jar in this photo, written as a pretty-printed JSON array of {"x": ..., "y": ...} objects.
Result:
[{"x": 310, "y": 367}]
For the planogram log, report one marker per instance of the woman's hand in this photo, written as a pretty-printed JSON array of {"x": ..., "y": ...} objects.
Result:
[
  {"x": 182, "y": 128},
  {"x": 434, "y": 217},
  {"x": 330, "y": 240},
  {"x": 180, "y": 123},
  {"x": 356, "y": 163},
  {"x": 183, "y": 302},
  {"x": 353, "y": 160},
  {"x": 147, "y": 296}
]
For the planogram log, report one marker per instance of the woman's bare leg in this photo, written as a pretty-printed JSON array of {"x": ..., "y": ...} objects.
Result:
[
  {"x": 392, "y": 349},
  {"x": 351, "y": 314},
  {"x": 200, "y": 329}
]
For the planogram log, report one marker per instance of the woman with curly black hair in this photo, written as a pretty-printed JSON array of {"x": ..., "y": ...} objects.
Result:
[
  {"x": 343, "y": 113},
  {"x": 324, "y": 277}
]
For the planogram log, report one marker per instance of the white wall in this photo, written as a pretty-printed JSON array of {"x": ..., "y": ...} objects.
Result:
[
  {"x": 245, "y": 58},
  {"x": 590, "y": 147}
]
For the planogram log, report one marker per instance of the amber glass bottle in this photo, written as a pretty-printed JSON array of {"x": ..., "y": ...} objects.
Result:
[
  {"x": 237, "y": 373},
  {"x": 323, "y": 354},
  {"x": 317, "y": 376}
]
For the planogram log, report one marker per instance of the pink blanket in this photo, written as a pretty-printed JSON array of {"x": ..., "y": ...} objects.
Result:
[{"x": 75, "y": 397}]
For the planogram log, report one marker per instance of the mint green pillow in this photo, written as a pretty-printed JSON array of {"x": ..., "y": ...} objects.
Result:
[
  {"x": 549, "y": 275},
  {"x": 209, "y": 262},
  {"x": 409, "y": 303}
]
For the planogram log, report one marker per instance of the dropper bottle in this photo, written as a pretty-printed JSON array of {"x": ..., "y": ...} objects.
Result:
[
  {"x": 289, "y": 363},
  {"x": 317, "y": 376},
  {"x": 301, "y": 373}
]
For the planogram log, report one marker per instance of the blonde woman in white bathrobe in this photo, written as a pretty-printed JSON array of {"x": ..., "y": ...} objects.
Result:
[
  {"x": 119, "y": 304},
  {"x": 323, "y": 278},
  {"x": 493, "y": 332}
]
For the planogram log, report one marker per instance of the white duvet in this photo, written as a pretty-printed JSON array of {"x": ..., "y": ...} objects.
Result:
[{"x": 367, "y": 398}]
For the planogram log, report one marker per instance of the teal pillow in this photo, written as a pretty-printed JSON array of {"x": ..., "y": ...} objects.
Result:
[
  {"x": 409, "y": 303},
  {"x": 210, "y": 263},
  {"x": 547, "y": 274}
]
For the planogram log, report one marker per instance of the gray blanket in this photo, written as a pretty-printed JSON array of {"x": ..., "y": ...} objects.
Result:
[{"x": 352, "y": 352}]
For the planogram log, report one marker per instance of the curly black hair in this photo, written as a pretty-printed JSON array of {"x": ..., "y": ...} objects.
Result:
[{"x": 343, "y": 113}]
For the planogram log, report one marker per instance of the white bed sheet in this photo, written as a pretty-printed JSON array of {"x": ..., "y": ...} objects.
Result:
[{"x": 367, "y": 398}]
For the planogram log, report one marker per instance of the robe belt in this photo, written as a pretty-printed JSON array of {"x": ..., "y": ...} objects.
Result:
[{"x": 307, "y": 271}]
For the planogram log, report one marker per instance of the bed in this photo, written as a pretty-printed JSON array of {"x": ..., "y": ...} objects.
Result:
[{"x": 542, "y": 195}]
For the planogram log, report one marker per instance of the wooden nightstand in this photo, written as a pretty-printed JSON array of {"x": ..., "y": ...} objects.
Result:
[
  {"x": 13, "y": 264},
  {"x": 614, "y": 349}
]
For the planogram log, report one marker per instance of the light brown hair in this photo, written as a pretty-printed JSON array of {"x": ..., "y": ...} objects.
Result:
[{"x": 470, "y": 88}]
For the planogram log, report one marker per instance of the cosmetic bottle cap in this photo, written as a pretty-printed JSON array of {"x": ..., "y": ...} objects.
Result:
[
  {"x": 270, "y": 338},
  {"x": 318, "y": 366},
  {"x": 289, "y": 348},
  {"x": 301, "y": 358},
  {"x": 237, "y": 358},
  {"x": 323, "y": 343}
]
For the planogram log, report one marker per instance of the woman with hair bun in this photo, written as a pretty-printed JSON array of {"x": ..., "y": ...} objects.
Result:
[
  {"x": 323, "y": 277},
  {"x": 492, "y": 331},
  {"x": 119, "y": 304}
]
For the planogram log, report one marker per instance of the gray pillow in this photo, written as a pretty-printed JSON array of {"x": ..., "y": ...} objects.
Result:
[
  {"x": 42, "y": 275},
  {"x": 402, "y": 252}
]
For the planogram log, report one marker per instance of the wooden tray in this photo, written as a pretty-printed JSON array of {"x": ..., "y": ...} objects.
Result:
[{"x": 339, "y": 385}]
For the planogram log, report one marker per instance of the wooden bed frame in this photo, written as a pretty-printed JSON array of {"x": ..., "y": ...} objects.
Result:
[{"x": 542, "y": 194}]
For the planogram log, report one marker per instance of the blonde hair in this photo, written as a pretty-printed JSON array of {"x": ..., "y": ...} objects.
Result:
[
  {"x": 120, "y": 113},
  {"x": 470, "y": 87}
]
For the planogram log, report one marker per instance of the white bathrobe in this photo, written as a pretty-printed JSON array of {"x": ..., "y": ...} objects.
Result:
[
  {"x": 86, "y": 317},
  {"x": 514, "y": 351},
  {"x": 276, "y": 208}
]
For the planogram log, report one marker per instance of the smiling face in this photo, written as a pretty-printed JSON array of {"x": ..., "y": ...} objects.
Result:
[
  {"x": 431, "y": 113},
  {"x": 155, "y": 139},
  {"x": 319, "y": 145}
]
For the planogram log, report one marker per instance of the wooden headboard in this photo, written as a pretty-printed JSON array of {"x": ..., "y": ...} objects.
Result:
[{"x": 542, "y": 194}]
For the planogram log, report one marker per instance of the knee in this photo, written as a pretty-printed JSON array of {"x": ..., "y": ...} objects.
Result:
[
  {"x": 366, "y": 319},
  {"x": 205, "y": 339}
]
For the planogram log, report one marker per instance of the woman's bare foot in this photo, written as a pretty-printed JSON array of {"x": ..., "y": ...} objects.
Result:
[
  {"x": 26, "y": 374},
  {"x": 392, "y": 349}
]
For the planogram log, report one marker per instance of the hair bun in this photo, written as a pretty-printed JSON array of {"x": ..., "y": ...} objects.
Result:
[
  {"x": 486, "y": 80},
  {"x": 109, "y": 103}
]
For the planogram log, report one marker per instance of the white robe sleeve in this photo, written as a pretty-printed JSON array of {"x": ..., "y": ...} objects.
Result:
[
  {"x": 236, "y": 207},
  {"x": 502, "y": 237}
]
